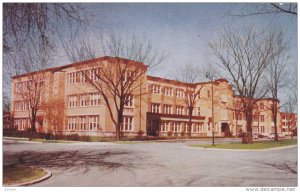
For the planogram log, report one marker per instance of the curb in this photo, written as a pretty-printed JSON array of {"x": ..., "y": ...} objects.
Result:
[
  {"x": 252, "y": 150},
  {"x": 47, "y": 176}
]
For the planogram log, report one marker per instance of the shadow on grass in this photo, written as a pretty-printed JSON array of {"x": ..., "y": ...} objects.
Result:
[{"x": 72, "y": 160}]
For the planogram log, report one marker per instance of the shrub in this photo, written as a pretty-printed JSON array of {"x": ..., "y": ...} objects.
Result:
[
  {"x": 140, "y": 133},
  {"x": 182, "y": 133},
  {"x": 170, "y": 133}
]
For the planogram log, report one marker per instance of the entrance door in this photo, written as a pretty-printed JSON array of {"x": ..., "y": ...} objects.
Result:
[
  {"x": 154, "y": 128},
  {"x": 225, "y": 129}
]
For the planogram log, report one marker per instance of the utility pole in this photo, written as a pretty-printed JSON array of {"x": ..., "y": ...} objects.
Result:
[{"x": 211, "y": 77}]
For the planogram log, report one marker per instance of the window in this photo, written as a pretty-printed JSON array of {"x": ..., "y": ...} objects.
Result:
[
  {"x": 262, "y": 129},
  {"x": 179, "y": 93},
  {"x": 94, "y": 99},
  {"x": 262, "y": 118},
  {"x": 179, "y": 110},
  {"x": 255, "y": 118},
  {"x": 186, "y": 127},
  {"x": 71, "y": 123},
  {"x": 82, "y": 123},
  {"x": 94, "y": 74},
  {"x": 127, "y": 123},
  {"x": 262, "y": 106},
  {"x": 83, "y": 100},
  {"x": 168, "y": 91},
  {"x": 155, "y": 108},
  {"x": 164, "y": 126},
  {"x": 94, "y": 122},
  {"x": 196, "y": 128},
  {"x": 71, "y": 78},
  {"x": 18, "y": 106},
  {"x": 73, "y": 101},
  {"x": 198, "y": 111},
  {"x": 155, "y": 89},
  {"x": 176, "y": 127},
  {"x": 130, "y": 101},
  {"x": 168, "y": 109}
]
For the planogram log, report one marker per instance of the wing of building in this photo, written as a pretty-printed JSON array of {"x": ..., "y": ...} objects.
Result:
[{"x": 157, "y": 107}]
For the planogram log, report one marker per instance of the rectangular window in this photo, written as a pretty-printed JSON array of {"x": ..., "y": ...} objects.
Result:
[
  {"x": 164, "y": 126},
  {"x": 127, "y": 123},
  {"x": 262, "y": 118},
  {"x": 198, "y": 111},
  {"x": 18, "y": 105},
  {"x": 82, "y": 123},
  {"x": 94, "y": 99},
  {"x": 168, "y": 91},
  {"x": 176, "y": 127},
  {"x": 179, "y": 110},
  {"x": 93, "y": 122},
  {"x": 180, "y": 93},
  {"x": 71, "y": 123},
  {"x": 168, "y": 109},
  {"x": 130, "y": 101},
  {"x": 155, "y": 89},
  {"x": 72, "y": 77},
  {"x": 262, "y": 129},
  {"x": 262, "y": 106},
  {"x": 83, "y": 100},
  {"x": 72, "y": 101},
  {"x": 155, "y": 108}
]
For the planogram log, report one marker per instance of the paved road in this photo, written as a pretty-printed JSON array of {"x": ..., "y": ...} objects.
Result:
[{"x": 154, "y": 164}]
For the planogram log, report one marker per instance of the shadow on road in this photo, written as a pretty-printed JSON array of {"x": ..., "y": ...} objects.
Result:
[
  {"x": 71, "y": 160},
  {"x": 289, "y": 167}
]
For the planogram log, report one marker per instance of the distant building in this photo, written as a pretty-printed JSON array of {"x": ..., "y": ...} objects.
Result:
[
  {"x": 288, "y": 122},
  {"x": 160, "y": 111}
]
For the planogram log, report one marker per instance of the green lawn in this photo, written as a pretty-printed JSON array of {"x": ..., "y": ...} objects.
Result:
[
  {"x": 15, "y": 175},
  {"x": 255, "y": 145}
]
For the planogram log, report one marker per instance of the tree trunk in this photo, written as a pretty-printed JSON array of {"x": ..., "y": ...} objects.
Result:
[
  {"x": 248, "y": 139},
  {"x": 190, "y": 124},
  {"x": 275, "y": 121}
]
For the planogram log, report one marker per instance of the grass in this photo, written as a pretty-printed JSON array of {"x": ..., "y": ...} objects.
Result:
[
  {"x": 255, "y": 145},
  {"x": 15, "y": 175},
  {"x": 52, "y": 141}
]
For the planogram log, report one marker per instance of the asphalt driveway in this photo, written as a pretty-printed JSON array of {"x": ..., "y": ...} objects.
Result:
[{"x": 154, "y": 164}]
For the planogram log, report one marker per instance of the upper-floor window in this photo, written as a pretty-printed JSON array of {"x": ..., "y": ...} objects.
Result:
[
  {"x": 18, "y": 105},
  {"x": 155, "y": 108},
  {"x": 71, "y": 78},
  {"x": 95, "y": 99},
  {"x": 72, "y": 101},
  {"x": 198, "y": 111},
  {"x": 262, "y": 118},
  {"x": 262, "y": 106},
  {"x": 155, "y": 89},
  {"x": 168, "y": 91},
  {"x": 180, "y": 93},
  {"x": 168, "y": 109},
  {"x": 83, "y": 100},
  {"x": 130, "y": 101}
]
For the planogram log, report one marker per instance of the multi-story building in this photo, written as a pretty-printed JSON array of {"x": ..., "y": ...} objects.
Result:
[
  {"x": 288, "y": 122},
  {"x": 161, "y": 109}
]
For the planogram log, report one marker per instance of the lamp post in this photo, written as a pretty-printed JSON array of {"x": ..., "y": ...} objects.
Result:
[{"x": 211, "y": 77}]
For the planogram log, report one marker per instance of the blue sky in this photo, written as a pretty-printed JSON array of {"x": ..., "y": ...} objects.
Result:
[{"x": 180, "y": 29}]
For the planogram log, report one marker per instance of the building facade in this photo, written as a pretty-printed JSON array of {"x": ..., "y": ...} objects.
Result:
[{"x": 157, "y": 106}]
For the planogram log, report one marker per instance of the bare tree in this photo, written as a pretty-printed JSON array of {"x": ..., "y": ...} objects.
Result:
[
  {"x": 189, "y": 74},
  {"x": 120, "y": 80},
  {"x": 35, "y": 57},
  {"x": 251, "y": 9},
  {"x": 54, "y": 114},
  {"x": 244, "y": 57},
  {"x": 276, "y": 76},
  {"x": 22, "y": 20}
]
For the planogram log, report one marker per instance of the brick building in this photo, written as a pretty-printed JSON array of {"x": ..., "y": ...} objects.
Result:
[{"x": 160, "y": 110}]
